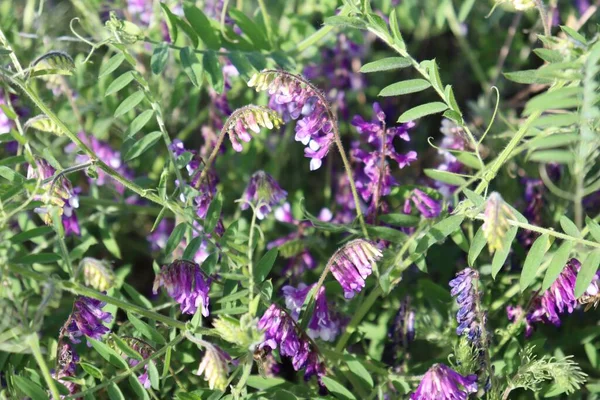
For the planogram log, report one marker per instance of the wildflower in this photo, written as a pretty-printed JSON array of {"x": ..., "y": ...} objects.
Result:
[
  {"x": 352, "y": 264},
  {"x": 187, "y": 284},
  {"x": 142, "y": 10},
  {"x": 214, "y": 367},
  {"x": 250, "y": 117},
  {"x": 159, "y": 236},
  {"x": 59, "y": 196},
  {"x": 67, "y": 361},
  {"x": 97, "y": 273},
  {"x": 582, "y": 6},
  {"x": 263, "y": 192},
  {"x": 534, "y": 191},
  {"x": 464, "y": 290},
  {"x": 495, "y": 225},
  {"x": 87, "y": 319},
  {"x": 323, "y": 323},
  {"x": 443, "y": 383},
  {"x": 427, "y": 206},
  {"x": 402, "y": 331},
  {"x": 295, "y": 98},
  {"x": 522, "y": 5},
  {"x": 144, "y": 350}
]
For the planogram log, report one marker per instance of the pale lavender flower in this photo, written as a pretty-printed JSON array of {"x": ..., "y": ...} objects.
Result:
[
  {"x": 323, "y": 323},
  {"x": 187, "y": 284},
  {"x": 352, "y": 264},
  {"x": 263, "y": 192},
  {"x": 87, "y": 319},
  {"x": 141, "y": 10},
  {"x": 443, "y": 383}
]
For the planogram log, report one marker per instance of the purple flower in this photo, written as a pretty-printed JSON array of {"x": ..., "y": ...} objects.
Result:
[
  {"x": 352, "y": 264},
  {"x": 187, "y": 284},
  {"x": 295, "y": 98},
  {"x": 323, "y": 323},
  {"x": 402, "y": 331},
  {"x": 454, "y": 139},
  {"x": 158, "y": 238},
  {"x": 59, "y": 193},
  {"x": 464, "y": 290},
  {"x": 264, "y": 193},
  {"x": 67, "y": 361},
  {"x": 87, "y": 319},
  {"x": 443, "y": 383},
  {"x": 428, "y": 207},
  {"x": 142, "y": 10},
  {"x": 373, "y": 175},
  {"x": 582, "y": 5}
]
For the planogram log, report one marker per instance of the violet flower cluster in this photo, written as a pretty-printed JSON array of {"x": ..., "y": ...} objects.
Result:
[
  {"x": 353, "y": 263},
  {"x": 59, "y": 193},
  {"x": 324, "y": 323},
  {"x": 281, "y": 332},
  {"x": 373, "y": 176},
  {"x": 466, "y": 293},
  {"x": 557, "y": 300},
  {"x": 443, "y": 383},
  {"x": 263, "y": 192},
  {"x": 296, "y": 99},
  {"x": 187, "y": 284},
  {"x": 87, "y": 319},
  {"x": 428, "y": 207}
]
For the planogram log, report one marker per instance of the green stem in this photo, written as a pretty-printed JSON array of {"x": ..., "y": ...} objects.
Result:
[
  {"x": 363, "y": 309},
  {"x": 318, "y": 35},
  {"x": 85, "y": 291},
  {"x": 543, "y": 16},
  {"x": 64, "y": 252},
  {"x": 250, "y": 262},
  {"x": 267, "y": 20},
  {"x": 130, "y": 371},
  {"x": 39, "y": 358}
]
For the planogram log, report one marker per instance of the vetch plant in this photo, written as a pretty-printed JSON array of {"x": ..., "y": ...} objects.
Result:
[{"x": 163, "y": 235}]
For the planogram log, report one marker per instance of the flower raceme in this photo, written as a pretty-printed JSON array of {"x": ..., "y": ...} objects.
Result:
[
  {"x": 443, "y": 383},
  {"x": 97, "y": 273},
  {"x": 263, "y": 192},
  {"x": 187, "y": 284},
  {"x": 249, "y": 118},
  {"x": 215, "y": 367},
  {"x": 495, "y": 225},
  {"x": 465, "y": 291},
  {"x": 353, "y": 263},
  {"x": 296, "y": 98},
  {"x": 66, "y": 362},
  {"x": 87, "y": 319}
]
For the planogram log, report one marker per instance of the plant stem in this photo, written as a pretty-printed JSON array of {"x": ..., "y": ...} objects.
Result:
[
  {"x": 130, "y": 371},
  {"x": 34, "y": 344},
  {"x": 539, "y": 4},
  {"x": 363, "y": 309},
  {"x": 250, "y": 262},
  {"x": 65, "y": 253},
  {"x": 85, "y": 291},
  {"x": 318, "y": 35},
  {"x": 266, "y": 19}
]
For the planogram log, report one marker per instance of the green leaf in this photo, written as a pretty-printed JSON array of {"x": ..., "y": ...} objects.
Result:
[
  {"x": 337, "y": 389},
  {"x": 359, "y": 370},
  {"x": 439, "y": 232},
  {"x": 142, "y": 145},
  {"x": 137, "y": 387},
  {"x": 192, "y": 248},
  {"x": 553, "y": 156},
  {"x": 153, "y": 375},
  {"x": 213, "y": 213},
  {"x": 242, "y": 64},
  {"x": 175, "y": 238},
  {"x": 469, "y": 159},
  {"x": 136, "y": 296},
  {"x": 386, "y": 64},
  {"x": 552, "y": 141},
  {"x": 201, "y": 25},
  {"x": 395, "y": 28},
  {"x": 129, "y": 103},
  {"x": 557, "y": 264},
  {"x": 255, "y": 34},
  {"x": 171, "y": 23},
  {"x": 533, "y": 261},
  {"x": 386, "y": 233},
  {"x": 111, "y": 65},
  {"x": 39, "y": 258},
  {"x": 569, "y": 227},
  {"x": 422, "y": 111},
  {"x": 434, "y": 75},
  {"x": 405, "y": 87},
  {"x": 146, "y": 330},
  {"x": 119, "y": 83},
  {"x": 30, "y": 388},
  {"x": 574, "y": 34},
  {"x": 445, "y": 176},
  {"x": 191, "y": 65},
  {"x": 159, "y": 59},
  {"x": 527, "y": 77},
  {"x": 594, "y": 228},
  {"x": 212, "y": 66},
  {"x": 125, "y": 348},
  {"x": 476, "y": 246},
  {"x": 586, "y": 274},
  {"x": 114, "y": 393},
  {"x": 400, "y": 219},
  {"x": 189, "y": 32},
  {"x": 91, "y": 370},
  {"x": 501, "y": 255},
  {"x": 340, "y": 20},
  {"x": 265, "y": 265},
  {"x": 139, "y": 122},
  {"x": 108, "y": 354},
  {"x": 30, "y": 234}
]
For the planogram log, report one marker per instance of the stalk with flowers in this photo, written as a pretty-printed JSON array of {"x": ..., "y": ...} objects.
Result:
[{"x": 449, "y": 248}]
